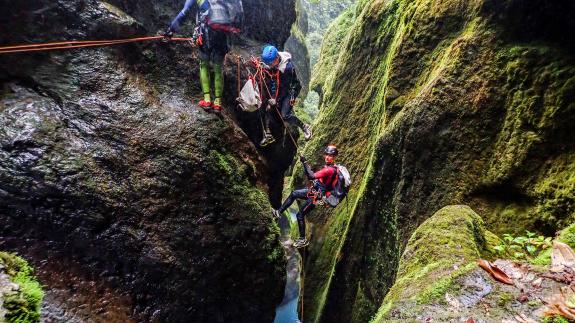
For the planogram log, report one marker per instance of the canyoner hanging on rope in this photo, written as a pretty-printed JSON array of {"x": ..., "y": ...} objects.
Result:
[{"x": 324, "y": 182}]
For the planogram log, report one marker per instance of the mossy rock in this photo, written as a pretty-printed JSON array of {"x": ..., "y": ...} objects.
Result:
[
  {"x": 432, "y": 104},
  {"x": 23, "y": 304},
  {"x": 443, "y": 248}
]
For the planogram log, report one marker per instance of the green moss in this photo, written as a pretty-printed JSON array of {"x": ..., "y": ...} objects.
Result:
[
  {"x": 23, "y": 306},
  {"x": 445, "y": 284},
  {"x": 505, "y": 299},
  {"x": 567, "y": 235},
  {"x": 442, "y": 249},
  {"x": 225, "y": 162},
  {"x": 555, "y": 319},
  {"x": 490, "y": 110},
  {"x": 543, "y": 259}
]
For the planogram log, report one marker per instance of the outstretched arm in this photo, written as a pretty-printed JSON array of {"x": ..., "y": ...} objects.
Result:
[
  {"x": 307, "y": 168},
  {"x": 177, "y": 23},
  {"x": 309, "y": 172}
]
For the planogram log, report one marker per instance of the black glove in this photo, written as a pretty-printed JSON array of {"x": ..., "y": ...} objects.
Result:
[
  {"x": 302, "y": 159},
  {"x": 169, "y": 33}
]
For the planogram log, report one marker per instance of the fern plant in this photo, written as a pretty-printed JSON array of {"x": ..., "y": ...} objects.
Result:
[{"x": 525, "y": 247}]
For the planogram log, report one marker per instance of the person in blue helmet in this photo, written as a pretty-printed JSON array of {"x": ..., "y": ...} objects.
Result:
[
  {"x": 284, "y": 86},
  {"x": 213, "y": 46}
]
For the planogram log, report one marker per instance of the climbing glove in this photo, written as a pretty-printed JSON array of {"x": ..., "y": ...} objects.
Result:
[
  {"x": 169, "y": 34},
  {"x": 272, "y": 102}
]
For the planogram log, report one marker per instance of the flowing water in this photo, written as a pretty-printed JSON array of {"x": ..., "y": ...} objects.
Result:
[{"x": 287, "y": 311}]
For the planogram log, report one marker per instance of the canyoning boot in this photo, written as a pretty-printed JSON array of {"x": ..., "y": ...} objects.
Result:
[
  {"x": 206, "y": 105},
  {"x": 217, "y": 105},
  {"x": 268, "y": 140},
  {"x": 301, "y": 243},
  {"x": 307, "y": 131}
]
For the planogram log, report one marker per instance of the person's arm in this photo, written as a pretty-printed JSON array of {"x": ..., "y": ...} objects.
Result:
[
  {"x": 307, "y": 169},
  {"x": 177, "y": 23}
]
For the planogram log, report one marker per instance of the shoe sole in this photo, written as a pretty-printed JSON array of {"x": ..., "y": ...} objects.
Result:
[{"x": 267, "y": 144}]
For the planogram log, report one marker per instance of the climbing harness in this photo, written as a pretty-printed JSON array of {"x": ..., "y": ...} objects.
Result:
[
  {"x": 315, "y": 195},
  {"x": 81, "y": 44}
]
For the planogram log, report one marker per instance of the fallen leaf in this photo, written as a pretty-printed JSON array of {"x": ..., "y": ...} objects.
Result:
[
  {"x": 562, "y": 256},
  {"x": 523, "y": 319},
  {"x": 495, "y": 272},
  {"x": 558, "y": 305}
]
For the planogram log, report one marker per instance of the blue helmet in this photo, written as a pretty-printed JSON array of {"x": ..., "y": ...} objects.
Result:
[{"x": 269, "y": 54}]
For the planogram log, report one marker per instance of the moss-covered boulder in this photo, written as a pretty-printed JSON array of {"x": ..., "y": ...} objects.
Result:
[
  {"x": 441, "y": 250},
  {"x": 20, "y": 293},
  {"x": 435, "y": 103},
  {"x": 439, "y": 278}
]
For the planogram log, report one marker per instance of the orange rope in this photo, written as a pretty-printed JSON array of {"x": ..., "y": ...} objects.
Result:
[{"x": 78, "y": 44}]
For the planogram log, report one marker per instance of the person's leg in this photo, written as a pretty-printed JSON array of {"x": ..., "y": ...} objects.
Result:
[
  {"x": 218, "y": 84},
  {"x": 304, "y": 210},
  {"x": 205, "y": 79},
  {"x": 220, "y": 48},
  {"x": 287, "y": 113},
  {"x": 297, "y": 194}
]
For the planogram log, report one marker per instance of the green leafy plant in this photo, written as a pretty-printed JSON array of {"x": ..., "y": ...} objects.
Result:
[
  {"x": 523, "y": 247},
  {"x": 555, "y": 319}
]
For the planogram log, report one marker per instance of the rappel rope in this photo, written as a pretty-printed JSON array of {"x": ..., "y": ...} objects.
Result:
[
  {"x": 302, "y": 285},
  {"x": 81, "y": 44}
]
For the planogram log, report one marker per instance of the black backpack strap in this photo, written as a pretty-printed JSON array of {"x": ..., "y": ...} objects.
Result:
[{"x": 333, "y": 177}]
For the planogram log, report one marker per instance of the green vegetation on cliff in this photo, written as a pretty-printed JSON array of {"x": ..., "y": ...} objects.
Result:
[
  {"x": 23, "y": 300},
  {"x": 437, "y": 103}
]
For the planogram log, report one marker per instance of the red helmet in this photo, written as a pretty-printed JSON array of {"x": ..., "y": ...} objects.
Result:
[{"x": 331, "y": 150}]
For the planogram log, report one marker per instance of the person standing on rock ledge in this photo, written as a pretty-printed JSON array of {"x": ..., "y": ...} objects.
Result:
[
  {"x": 284, "y": 87},
  {"x": 324, "y": 182},
  {"x": 215, "y": 20}
]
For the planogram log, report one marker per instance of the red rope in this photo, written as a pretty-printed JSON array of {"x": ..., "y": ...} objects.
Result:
[{"x": 78, "y": 44}]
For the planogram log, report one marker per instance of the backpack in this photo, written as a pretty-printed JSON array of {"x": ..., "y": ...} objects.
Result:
[
  {"x": 341, "y": 188},
  {"x": 250, "y": 99},
  {"x": 226, "y": 15}
]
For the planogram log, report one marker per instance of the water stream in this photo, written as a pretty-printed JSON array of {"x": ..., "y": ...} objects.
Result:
[{"x": 287, "y": 311}]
